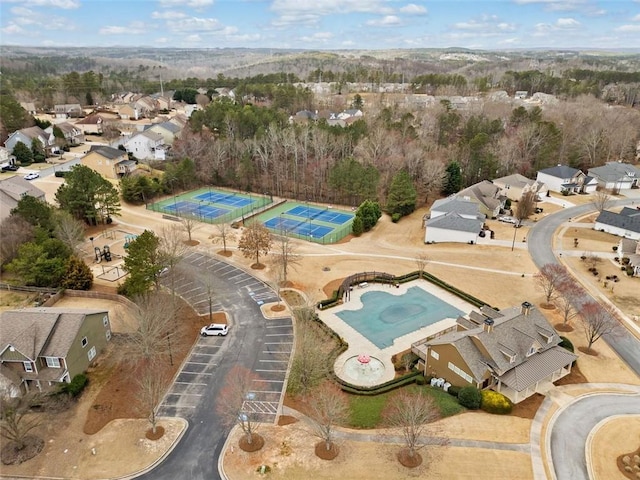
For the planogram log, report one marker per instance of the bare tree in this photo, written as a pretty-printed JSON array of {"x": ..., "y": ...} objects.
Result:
[
  {"x": 329, "y": 407},
  {"x": 593, "y": 260},
  {"x": 411, "y": 412},
  {"x": 309, "y": 364},
  {"x": 223, "y": 233},
  {"x": 549, "y": 279},
  {"x": 601, "y": 200},
  {"x": 190, "y": 225},
  {"x": 255, "y": 241},
  {"x": 568, "y": 294},
  {"x": 69, "y": 230},
  {"x": 526, "y": 206},
  {"x": 596, "y": 321},
  {"x": 285, "y": 256},
  {"x": 234, "y": 403},
  {"x": 151, "y": 338},
  {"x": 421, "y": 262},
  {"x": 16, "y": 423},
  {"x": 171, "y": 250},
  {"x": 15, "y": 231},
  {"x": 152, "y": 384}
]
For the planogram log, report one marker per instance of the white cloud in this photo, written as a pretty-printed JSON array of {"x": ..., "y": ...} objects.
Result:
[
  {"x": 567, "y": 23},
  {"x": 413, "y": 9},
  {"x": 636, "y": 18},
  {"x": 386, "y": 21},
  {"x": 38, "y": 20},
  {"x": 561, "y": 25},
  {"x": 628, "y": 28},
  {"x": 133, "y": 28},
  {"x": 309, "y": 12},
  {"x": 486, "y": 23},
  {"x": 201, "y": 25},
  {"x": 186, "y": 3},
  {"x": 168, "y": 15},
  {"x": 12, "y": 29},
  {"x": 63, "y": 4},
  {"x": 321, "y": 37}
]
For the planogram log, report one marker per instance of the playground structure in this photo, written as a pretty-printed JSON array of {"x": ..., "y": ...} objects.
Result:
[{"x": 104, "y": 254}]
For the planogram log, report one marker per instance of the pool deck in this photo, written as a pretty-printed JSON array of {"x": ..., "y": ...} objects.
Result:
[{"x": 359, "y": 344}]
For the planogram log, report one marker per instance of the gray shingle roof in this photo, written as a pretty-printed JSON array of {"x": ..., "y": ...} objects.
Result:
[
  {"x": 456, "y": 205},
  {"x": 560, "y": 171},
  {"x": 108, "y": 152},
  {"x": 483, "y": 192},
  {"x": 538, "y": 366},
  {"x": 626, "y": 220},
  {"x": 615, "y": 171},
  {"x": 453, "y": 221},
  {"x": 513, "y": 334},
  {"x": 16, "y": 187}
]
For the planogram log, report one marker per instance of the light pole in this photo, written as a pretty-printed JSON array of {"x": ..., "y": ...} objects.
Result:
[{"x": 515, "y": 229}]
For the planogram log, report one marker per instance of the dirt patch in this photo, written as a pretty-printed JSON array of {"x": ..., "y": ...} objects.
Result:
[
  {"x": 563, "y": 327},
  {"x": 629, "y": 461},
  {"x": 547, "y": 306},
  {"x": 258, "y": 266},
  {"x": 224, "y": 253},
  {"x": 157, "y": 435},
  {"x": 286, "y": 420},
  {"x": 588, "y": 351},
  {"x": 192, "y": 243},
  {"x": 11, "y": 455},
  {"x": 278, "y": 308},
  {"x": 574, "y": 377},
  {"x": 325, "y": 453},
  {"x": 529, "y": 407},
  {"x": 257, "y": 442},
  {"x": 407, "y": 460}
]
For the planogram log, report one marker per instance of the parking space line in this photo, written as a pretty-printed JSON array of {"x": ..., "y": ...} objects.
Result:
[
  {"x": 274, "y": 361},
  {"x": 191, "y": 383},
  {"x": 279, "y": 326},
  {"x": 278, "y": 334},
  {"x": 206, "y": 354},
  {"x": 268, "y": 381},
  {"x": 196, "y": 373},
  {"x": 271, "y": 371},
  {"x": 197, "y": 363}
]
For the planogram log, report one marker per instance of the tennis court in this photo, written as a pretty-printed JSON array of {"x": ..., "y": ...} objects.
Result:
[
  {"x": 315, "y": 223},
  {"x": 211, "y": 205}
]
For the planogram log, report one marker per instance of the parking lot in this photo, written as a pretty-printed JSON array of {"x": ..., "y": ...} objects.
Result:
[{"x": 262, "y": 344}]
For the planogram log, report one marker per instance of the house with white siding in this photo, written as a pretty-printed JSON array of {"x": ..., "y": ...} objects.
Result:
[
  {"x": 146, "y": 145},
  {"x": 454, "y": 220},
  {"x": 567, "y": 180},
  {"x": 616, "y": 176},
  {"x": 624, "y": 224}
]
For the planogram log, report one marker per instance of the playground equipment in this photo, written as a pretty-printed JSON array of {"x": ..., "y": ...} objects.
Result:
[
  {"x": 128, "y": 239},
  {"x": 105, "y": 254}
]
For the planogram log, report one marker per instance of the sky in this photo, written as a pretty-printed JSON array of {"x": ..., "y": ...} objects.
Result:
[{"x": 323, "y": 24}]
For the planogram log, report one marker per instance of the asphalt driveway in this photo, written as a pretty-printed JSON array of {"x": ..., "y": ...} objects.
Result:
[{"x": 262, "y": 345}]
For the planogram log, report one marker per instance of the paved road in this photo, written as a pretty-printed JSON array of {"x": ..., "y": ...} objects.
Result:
[
  {"x": 572, "y": 427},
  {"x": 540, "y": 242},
  {"x": 253, "y": 342}
]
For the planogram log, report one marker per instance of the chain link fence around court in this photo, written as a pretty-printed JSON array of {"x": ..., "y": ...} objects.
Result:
[{"x": 212, "y": 206}]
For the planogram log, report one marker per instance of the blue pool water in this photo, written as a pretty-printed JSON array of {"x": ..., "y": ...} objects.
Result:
[{"x": 385, "y": 317}]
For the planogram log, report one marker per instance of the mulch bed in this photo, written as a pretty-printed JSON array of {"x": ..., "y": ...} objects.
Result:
[
  {"x": 155, "y": 436},
  {"x": 278, "y": 308},
  {"x": 222, "y": 253},
  {"x": 574, "y": 377},
  {"x": 258, "y": 266},
  {"x": 257, "y": 442},
  {"x": 588, "y": 351},
  {"x": 529, "y": 407},
  {"x": 561, "y": 327},
  {"x": 621, "y": 464},
  {"x": 286, "y": 420},
  {"x": 12, "y": 456},
  {"x": 547, "y": 306},
  {"x": 406, "y": 460},
  {"x": 192, "y": 243},
  {"x": 322, "y": 452}
]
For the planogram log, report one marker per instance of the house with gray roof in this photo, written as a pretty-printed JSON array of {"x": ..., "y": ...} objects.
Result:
[
  {"x": 27, "y": 136},
  {"x": 46, "y": 346},
  {"x": 146, "y": 145},
  {"x": 108, "y": 161},
  {"x": 12, "y": 190},
  {"x": 628, "y": 248},
  {"x": 514, "y": 351},
  {"x": 486, "y": 195},
  {"x": 567, "y": 180},
  {"x": 68, "y": 110},
  {"x": 168, "y": 130},
  {"x": 623, "y": 224},
  {"x": 616, "y": 176},
  {"x": 455, "y": 220}
]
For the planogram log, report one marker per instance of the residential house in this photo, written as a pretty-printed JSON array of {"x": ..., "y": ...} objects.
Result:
[
  {"x": 68, "y": 110},
  {"x": 46, "y": 346},
  {"x": 128, "y": 112},
  {"x": 515, "y": 186},
  {"x": 350, "y": 113},
  {"x": 455, "y": 220},
  {"x": 12, "y": 190},
  {"x": 6, "y": 158},
  {"x": 486, "y": 195},
  {"x": 304, "y": 116},
  {"x": 73, "y": 135},
  {"x": 30, "y": 107},
  {"x": 521, "y": 94},
  {"x": 145, "y": 106},
  {"x": 91, "y": 124},
  {"x": 567, "y": 180},
  {"x": 163, "y": 102},
  {"x": 514, "y": 351},
  {"x": 107, "y": 161},
  {"x": 616, "y": 176},
  {"x": 168, "y": 130},
  {"x": 630, "y": 249},
  {"x": 27, "y": 135},
  {"x": 146, "y": 145},
  {"x": 623, "y": 224}
]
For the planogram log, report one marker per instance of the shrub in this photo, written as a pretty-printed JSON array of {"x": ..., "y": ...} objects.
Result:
[
  {"x": 454, "y": 391},
  {"x": 60, "y": 173},
  {"x": 615, "y": 248},
  {"x": 566, "y": 343},
  {"x": 421, "y": 380},
  {"x": 470, "y": 397},
  {"x": 395, "y": 218},
  {"x": 495, "y": 402},
  {"x": 629, "y": 270},
  {"x": 76, "y": 386}
]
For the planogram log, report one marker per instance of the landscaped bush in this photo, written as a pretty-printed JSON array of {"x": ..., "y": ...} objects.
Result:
[
  {"x": 470, "y": 397},
  {"x": 395, "y": 218},
  {"x": 566, "y": 343},
  {"x": 454, "y": 391},
  {"x": 421, "y": 380},
  {"x": 495, "y": 402},
  {"x": 76, "y": 386}
]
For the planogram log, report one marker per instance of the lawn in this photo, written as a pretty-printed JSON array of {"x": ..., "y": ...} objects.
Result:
[{"x": 367, "y": 410}]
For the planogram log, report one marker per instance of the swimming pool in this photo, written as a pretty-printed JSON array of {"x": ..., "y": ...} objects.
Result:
[{"x": 385, "y": 317}]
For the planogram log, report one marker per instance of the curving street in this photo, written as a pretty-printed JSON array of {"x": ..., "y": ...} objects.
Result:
[{"x": 540, "y": 243}]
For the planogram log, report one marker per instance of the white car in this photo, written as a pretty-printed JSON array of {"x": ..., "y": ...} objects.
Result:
[
  {"x": 31, "y": 176},
  {"x": 214, "y": 330},
  {"x": 508, "y": 219}
]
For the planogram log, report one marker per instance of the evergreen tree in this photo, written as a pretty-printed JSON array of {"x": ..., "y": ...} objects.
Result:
[
  {"x": 144, "y": 262},
  {"x": 357, "y": 227},
  {"x": 452, "y": 179},
  {"x": 402, "y": 195},
  {"x": 42, "y": 263},
  {"x": 36, "y": 212},
  {"x": 78, "y": 275},
  {"x": 369, "y": 212},
  {"x": 23, "y": 154}
]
